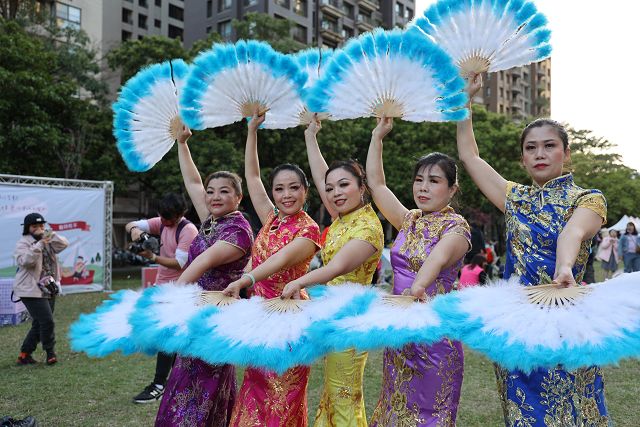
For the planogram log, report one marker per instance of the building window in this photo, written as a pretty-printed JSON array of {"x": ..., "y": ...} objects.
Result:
[
  {"x": 157, "y": 23},
  {"x": 300, "y": 34},
  {"x": 399, "y": 9},
  {"x": 224, "y": 5},
  {"x": 143, "y": 3},
  {"x": 126, "y": 35},
  {"x": 248, "y": 3},
  {"x": 208, "y": 29},
  {"x": 175, "y": 32},
  {"x": 68, "y": 16},
  {"x": 284, "y": 3},
  {"x": 328, "y": 24},
  {"x": 127, "y": 16},
  {"x": 224, "y": 29},
  {"x": 348, "y": 9},
  {"x": 159, "y": 3},
  {"x": 300, "y": 7},
  {"x": 408, "y": 13},
  {"x": 142, "y": 21},
  {"x": 347, "y": 32},
  {"x": 176, "y": 12},
  {"x": 209, "y": 8}
]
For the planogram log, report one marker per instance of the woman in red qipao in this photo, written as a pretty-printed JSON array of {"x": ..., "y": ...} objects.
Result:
[{"x": 281, "y": 253}]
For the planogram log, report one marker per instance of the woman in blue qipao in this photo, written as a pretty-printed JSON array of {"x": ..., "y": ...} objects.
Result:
[{"x": 549, "y": 225}]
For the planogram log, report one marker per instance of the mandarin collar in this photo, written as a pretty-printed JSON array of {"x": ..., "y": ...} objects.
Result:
[
  {"x": 561, "y": 181},
  {"x": 354, "y": 213}
]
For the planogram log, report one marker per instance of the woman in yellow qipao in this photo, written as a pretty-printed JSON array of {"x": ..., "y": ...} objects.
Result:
[{"x": 351, "y": 253}]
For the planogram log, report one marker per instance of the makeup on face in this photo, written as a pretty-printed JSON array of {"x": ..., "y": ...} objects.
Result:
[
  {"x": 221, "y": 197},
  {"x": 343, "y": 191}
]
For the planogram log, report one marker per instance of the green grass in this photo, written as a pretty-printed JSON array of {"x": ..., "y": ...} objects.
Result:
[{"x": 80, "y": 391}]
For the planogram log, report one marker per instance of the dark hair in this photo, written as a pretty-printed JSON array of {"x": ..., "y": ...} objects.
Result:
[
  {"x": 172, "y": 205},
  {"x": 562, "y": 132},
  {"x": 635, "y": 230},
  {"x": 289, "y": 167},
  {"x": 355, "y": 169},
  {"x": 444, "y": 162},
  {"x": 236, "y": 181},
  {"x": 478, "y": 260}
]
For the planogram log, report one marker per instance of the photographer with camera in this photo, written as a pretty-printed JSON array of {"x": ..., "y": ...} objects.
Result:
[
  {"x": 176, "y": 234},
  {"x": 37, "y": 283}
]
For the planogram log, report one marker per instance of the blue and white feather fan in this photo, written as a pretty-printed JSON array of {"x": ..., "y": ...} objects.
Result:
[
  {"x": 600, "y": 327},
  {"x": 146, "y": 120},
  {"x": 486, "y": 35},
  {"x": 314, "y": 63},
  {"x": 390, "y": 73},
  {"x": 232, "y": 81}
]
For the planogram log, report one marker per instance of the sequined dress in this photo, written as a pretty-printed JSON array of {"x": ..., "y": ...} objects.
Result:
[
  {"x": 535, "y": 217},
  {"x": 197, "y": 393},
  {"x": 342, "y": 403},
  {"x": 421, "y": 383},
  {"x": 266, "y": 399}
]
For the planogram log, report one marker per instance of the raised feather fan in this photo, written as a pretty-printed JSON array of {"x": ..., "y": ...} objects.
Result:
[
  {"x": 487, "y": 35},
  {"x": 146, "y": 121},
  {"x": 231, "y": 81},
  {"x": 390, "y": 73}
]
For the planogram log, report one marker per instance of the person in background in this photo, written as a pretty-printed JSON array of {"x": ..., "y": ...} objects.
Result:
[
  {"x": 473, "y": 274},
  {"x": 38, "y": 270},
  {"x": 176, "y": 234},
  {"x": 608, "y": 253},
  {"x": 477, "y": 242},
  {"x": 628, "y": 247}
]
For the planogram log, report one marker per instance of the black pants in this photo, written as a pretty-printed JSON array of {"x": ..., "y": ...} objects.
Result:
[
  {"x": 164, "y": 362},
  {"x": 42, "y": 327}
]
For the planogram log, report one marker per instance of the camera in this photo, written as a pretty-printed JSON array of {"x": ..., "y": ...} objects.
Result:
[
  {"x": 49, "y": 286},
  {"x": 146, "y": 242}
]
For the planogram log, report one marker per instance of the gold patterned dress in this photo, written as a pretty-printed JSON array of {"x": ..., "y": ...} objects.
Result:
[
  {"x": 342, "y": 403},
  {"x": 421, "y": 383},
  {"x": 535, "y": 216},
  {"x": 267, "y": 399}
]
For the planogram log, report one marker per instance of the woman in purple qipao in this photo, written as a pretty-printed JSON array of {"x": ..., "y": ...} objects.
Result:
[
  {"x": 421, "y": 383},
  {"x": 197, "y": 393}
]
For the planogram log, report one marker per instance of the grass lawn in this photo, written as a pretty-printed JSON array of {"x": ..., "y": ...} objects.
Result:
[{"x": 79, "y": 391}]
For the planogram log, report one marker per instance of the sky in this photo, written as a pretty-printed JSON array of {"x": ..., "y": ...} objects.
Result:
[{"x": 594, "y": 67}]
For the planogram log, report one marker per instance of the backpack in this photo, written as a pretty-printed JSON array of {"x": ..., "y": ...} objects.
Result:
[{"x": 183, "y": 223}]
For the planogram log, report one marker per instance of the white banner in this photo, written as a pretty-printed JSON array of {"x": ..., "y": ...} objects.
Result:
[{"x": 77, "y": 214}]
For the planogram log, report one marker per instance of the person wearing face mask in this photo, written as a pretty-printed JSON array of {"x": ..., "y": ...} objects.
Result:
[
  {"x": 550, "y": 225},
  {"x": 35, "y": 256},
  {"x": 351, "y": 253},
  {"x": 197, "y": 393},
  {"x": 426, "y": 257},
  {"x": 282, "y": 252}
]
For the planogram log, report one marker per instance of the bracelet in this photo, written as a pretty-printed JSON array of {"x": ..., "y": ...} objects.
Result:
[{"x": 250, "y": 276}]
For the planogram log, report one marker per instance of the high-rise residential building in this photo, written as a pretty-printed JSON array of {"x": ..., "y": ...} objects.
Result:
[
  {"x": 110, "y": 22},
  {"x": 519, "y": 92},
  {"x": 327, "y": 23}
]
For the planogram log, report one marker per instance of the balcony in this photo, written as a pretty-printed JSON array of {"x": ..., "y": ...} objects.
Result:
[
  {"x": 332, "y": 7},
  {"x": 330, "y": 31},
  {"x": 365, "y": 23},
  {"x": 371, "y": 5}
]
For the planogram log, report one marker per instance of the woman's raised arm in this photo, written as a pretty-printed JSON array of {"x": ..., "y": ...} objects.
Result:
[
  {"x": 259, "y": 197},
  {"x": 490, "y": 182},
  {"x": 191, "y": 176}
]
